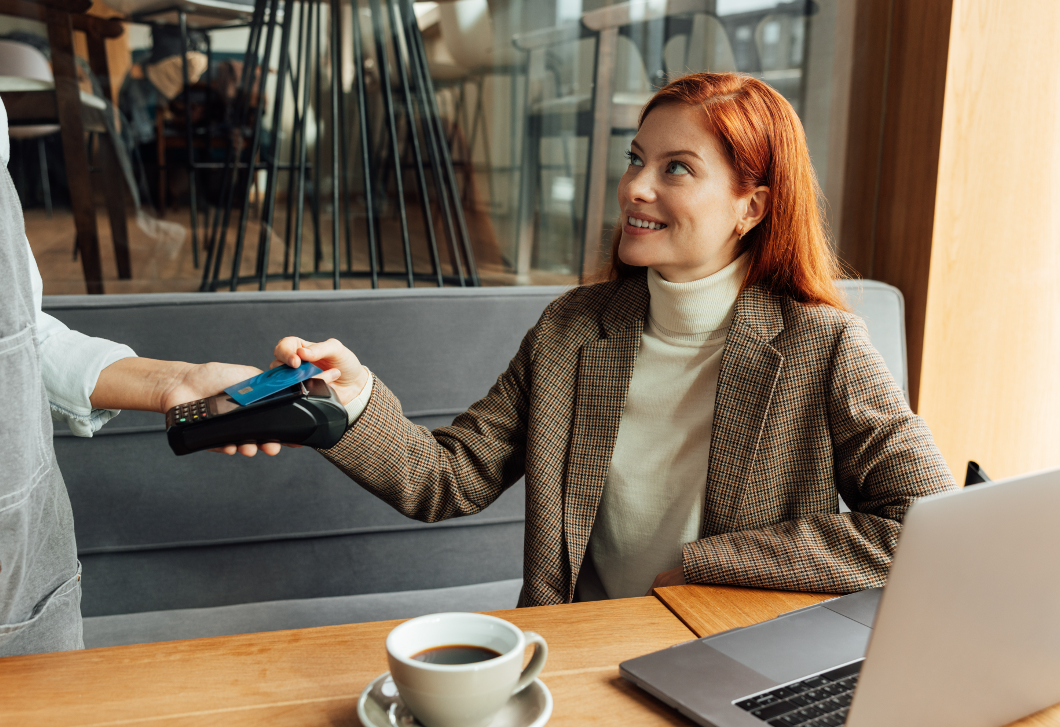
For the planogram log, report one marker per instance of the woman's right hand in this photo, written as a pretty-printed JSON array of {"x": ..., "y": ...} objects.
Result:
[{"x": 341, "y": 368}]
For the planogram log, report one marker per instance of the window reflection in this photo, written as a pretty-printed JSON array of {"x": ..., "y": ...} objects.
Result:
[{"x": 549, "y": 209}]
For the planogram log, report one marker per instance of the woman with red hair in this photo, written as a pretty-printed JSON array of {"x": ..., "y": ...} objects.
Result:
[{"x": 696, "y": 415}]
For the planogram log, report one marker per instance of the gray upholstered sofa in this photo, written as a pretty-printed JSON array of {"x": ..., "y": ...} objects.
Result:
[{"x": 202, "y": 545}]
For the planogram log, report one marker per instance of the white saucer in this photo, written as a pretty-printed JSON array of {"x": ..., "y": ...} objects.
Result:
[{"x": 531, "y": 707}]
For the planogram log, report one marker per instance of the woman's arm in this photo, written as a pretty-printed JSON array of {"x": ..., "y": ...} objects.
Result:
[
  {"x": 885, "y": 458},
  {"x": 429, "y": 476}
]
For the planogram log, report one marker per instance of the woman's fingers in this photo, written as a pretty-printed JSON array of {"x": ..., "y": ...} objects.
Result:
[
  {"x": 341, "y": 368},
  {"x": 249, "y": 450},
  {"x": 286, "y": 351}
]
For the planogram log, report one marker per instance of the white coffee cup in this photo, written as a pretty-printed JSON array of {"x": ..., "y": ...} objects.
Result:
[{"x": 461, "y": 695}]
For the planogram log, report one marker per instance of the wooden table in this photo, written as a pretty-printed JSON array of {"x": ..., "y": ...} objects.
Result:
[
  {"x": 708, "y": 610},
  {"x": 314, "y": 676}
]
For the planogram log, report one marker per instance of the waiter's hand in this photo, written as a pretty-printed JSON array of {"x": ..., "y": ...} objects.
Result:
[
  {"x": 147, "y": 384},
  {"x": 672, "y": 577},
  {"x": 341, "y": 368},
  {"x": 198, "y": 381}
]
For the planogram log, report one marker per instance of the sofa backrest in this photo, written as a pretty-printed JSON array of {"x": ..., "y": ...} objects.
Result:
[{"x": 156, "y": 531}]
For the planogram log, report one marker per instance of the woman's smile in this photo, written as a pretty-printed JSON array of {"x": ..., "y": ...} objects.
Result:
[{"x": 642, "y": 225}]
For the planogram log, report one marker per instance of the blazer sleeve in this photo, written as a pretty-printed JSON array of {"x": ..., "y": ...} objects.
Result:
[
  {"x": 885, "y": 458},
  {"x": 451, "y": 471}
]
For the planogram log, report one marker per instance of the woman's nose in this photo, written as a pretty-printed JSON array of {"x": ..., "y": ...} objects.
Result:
[{"x": 639, "y": 187}]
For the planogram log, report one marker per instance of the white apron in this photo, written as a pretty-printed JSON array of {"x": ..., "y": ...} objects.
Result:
[{"x": 40, "y": 588}]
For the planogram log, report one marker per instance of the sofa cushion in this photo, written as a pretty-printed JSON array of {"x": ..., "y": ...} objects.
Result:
[
  {"x": 157, "y": 532},
  {"x": 247, "y": 618}
]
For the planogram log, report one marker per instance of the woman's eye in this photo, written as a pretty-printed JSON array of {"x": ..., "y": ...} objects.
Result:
[
  {"x": 676, "y": 168},
  {"x": 634, "y": 160}
]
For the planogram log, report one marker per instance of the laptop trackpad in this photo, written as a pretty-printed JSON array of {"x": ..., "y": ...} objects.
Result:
[{"x": 790, "y": 647}]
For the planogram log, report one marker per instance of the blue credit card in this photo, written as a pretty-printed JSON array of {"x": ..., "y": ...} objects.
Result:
[{"x": 269, "y": 382}]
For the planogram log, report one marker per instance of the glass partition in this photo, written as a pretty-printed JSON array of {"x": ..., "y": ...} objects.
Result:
[{"x": 535, "y": 101}]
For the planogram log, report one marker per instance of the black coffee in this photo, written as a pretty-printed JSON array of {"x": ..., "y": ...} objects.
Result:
[{"x": 456, "y": 654}]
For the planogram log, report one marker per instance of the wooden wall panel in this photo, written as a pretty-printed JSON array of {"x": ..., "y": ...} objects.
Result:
[
  {"x": 905, "y": 214},
  {"x": 855, "y": 233},
  {"x": 990, "y": 383},
  {"x": 895, "y": 123}
]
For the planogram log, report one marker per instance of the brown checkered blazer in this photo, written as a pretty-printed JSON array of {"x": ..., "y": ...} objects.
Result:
[{"x": 805, "y": 409}]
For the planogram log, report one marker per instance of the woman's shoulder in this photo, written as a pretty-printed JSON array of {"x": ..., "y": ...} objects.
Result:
[
  {"x": 821, "y": 330},
  {"x": 588, "y": 305},
  {"x": 773, "y": 315},
  {"x": 818, "y": 316}
]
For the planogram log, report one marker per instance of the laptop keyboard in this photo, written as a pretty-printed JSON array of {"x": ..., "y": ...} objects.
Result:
[{"x": 817, "y": 701}]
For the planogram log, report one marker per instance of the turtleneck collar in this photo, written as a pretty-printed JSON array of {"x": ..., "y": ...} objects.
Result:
[{"x": 695, "y": 310}]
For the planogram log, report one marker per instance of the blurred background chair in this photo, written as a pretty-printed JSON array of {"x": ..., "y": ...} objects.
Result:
[
  {"x": 36, "y": 102},
  {"x": 21, "y": 60}
]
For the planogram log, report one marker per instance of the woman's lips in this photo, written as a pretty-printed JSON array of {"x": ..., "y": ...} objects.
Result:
[{"x": 631, "y": 226}]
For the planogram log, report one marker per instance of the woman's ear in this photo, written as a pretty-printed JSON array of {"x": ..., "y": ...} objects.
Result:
[{"x": 756, "y": 207}]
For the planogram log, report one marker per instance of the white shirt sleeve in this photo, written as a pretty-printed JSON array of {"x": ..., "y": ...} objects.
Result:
[
  {"x": 70, "y": 365},
  {"x": 357, "y": 406}
]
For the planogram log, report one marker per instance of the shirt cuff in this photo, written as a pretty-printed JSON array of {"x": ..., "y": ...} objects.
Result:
[
  {"x": 356, "y": 407},
  {"x": 70, "y": 366}
]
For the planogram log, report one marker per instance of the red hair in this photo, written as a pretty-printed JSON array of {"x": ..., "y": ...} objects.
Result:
[{"x": 763, "y": 140}]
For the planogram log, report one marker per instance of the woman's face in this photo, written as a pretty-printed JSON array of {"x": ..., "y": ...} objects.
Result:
[{"x": 679, "y": 214}]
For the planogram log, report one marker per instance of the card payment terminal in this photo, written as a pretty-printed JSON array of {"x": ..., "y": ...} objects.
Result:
[{"x": 308, "y": 413}]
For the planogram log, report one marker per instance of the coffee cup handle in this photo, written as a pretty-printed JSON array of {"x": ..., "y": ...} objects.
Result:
[{"x": 537, "y": 661}]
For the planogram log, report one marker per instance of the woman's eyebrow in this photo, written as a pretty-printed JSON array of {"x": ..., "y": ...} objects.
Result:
[{"x": 676, "y": 152}]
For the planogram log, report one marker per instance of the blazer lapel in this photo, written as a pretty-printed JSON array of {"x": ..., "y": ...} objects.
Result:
[
  {"x": 749, "y": 370},
  {"x": 605, "y": 368}
]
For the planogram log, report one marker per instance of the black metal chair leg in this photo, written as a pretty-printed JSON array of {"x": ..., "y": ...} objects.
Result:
[
  {"x": 300, "y": 190},
  {"x": 182, "y": 20},
  {"x": 366, "y": 154},
  {"x": 45, "y": 183},
  {"x": 255, "y": 147},
  {"x": 396, "y": 28},
  {"x": 265, "y": 231},
  {"x": 418, "y": 64},
  {"x": 388, "y": 102}
]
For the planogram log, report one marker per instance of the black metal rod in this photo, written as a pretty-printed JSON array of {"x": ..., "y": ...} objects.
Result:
[
  {"x": 296, "y": 80},
  {"x": 215, "y": 253},
  {"x": 418, "y": 64},
  {"x": 209, "y": 133},
  {"x": 318, "y": 253},
  {"x": 342, "y": 132},
  {"x": 182, "y": 19},
  {"x": 366, "y": 154},
  {"x": 396, "y": 29},
  {"x": 300, "y": 191},
  {"x": 447, "y": 163},
  {"x": 388, "y": 103},
  {"x": 348, "y": 275},
  {"x": 255, "y": 145},
  {"x": 265, "y": 231},
  {"x": 335, "y": 21}
]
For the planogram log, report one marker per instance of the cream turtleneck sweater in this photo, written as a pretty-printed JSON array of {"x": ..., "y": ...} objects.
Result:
[{"x": 653, "y": 499}]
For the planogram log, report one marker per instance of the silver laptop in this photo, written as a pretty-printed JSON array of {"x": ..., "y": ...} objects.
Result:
[{"x": 966, "y": 633}]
